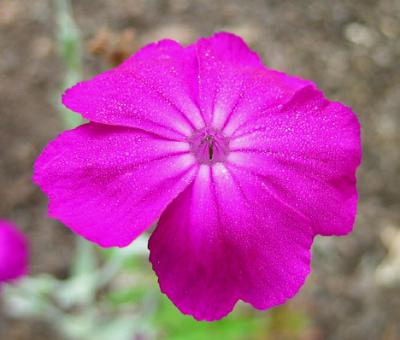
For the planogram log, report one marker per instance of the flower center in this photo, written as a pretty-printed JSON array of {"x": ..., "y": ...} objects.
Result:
[{"x": 209, "y": 146}]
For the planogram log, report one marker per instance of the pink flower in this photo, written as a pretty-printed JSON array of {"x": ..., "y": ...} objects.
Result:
[
  {"x": 13, "y": 253},
  {"x": 242, "y": 165}
]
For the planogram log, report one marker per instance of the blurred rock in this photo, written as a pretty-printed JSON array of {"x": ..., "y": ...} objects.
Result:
[
  {"x": 387, "y": 274},
  {"x": 360, "y": 34}
]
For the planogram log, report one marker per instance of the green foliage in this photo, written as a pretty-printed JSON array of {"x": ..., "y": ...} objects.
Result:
[{"x": 238, "y": 325}]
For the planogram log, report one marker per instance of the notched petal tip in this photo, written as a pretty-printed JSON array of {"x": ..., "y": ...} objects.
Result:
[
  {"x": 228, "y": 48},
  {"x": 193, "y": 311}
]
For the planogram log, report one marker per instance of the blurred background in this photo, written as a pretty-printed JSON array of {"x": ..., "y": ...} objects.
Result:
[{"x": 350, "y": 48}]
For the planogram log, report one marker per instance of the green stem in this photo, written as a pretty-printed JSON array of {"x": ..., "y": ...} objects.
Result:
[
  {"x": 69, "y": 42},
  {"x": 69, "y": 45}
]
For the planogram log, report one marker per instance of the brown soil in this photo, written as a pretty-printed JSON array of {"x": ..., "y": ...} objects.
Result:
[{"x": 350, "y": 48}]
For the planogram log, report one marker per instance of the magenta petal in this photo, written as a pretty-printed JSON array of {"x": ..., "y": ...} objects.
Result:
[
  {"x": 221, "y": 58},
  {"x": 234, "y": 85},
  {"x": 307, "y": 152},
  {"x": 13, "y": 252},
  {"x": 245, "y": 165},
  {"x": 227, "y": 48},
  {"x": 155, "y": 90},
  {"x": 227, "y": 237},
  {"x": 108, "y": 183}
]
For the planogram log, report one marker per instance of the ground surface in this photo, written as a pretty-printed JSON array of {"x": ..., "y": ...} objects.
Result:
[{"x": 350, "y": 48}]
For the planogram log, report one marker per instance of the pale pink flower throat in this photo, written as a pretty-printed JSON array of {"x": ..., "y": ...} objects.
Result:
[{"x": 209, "y": 145}]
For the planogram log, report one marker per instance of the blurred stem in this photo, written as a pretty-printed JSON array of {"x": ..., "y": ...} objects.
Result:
[
  {"x": 69, "y": 46},
  {"x": 85, "y": 260},
  {"x": 69, "y": 43},
  {"x": 109, "y": 271}
]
